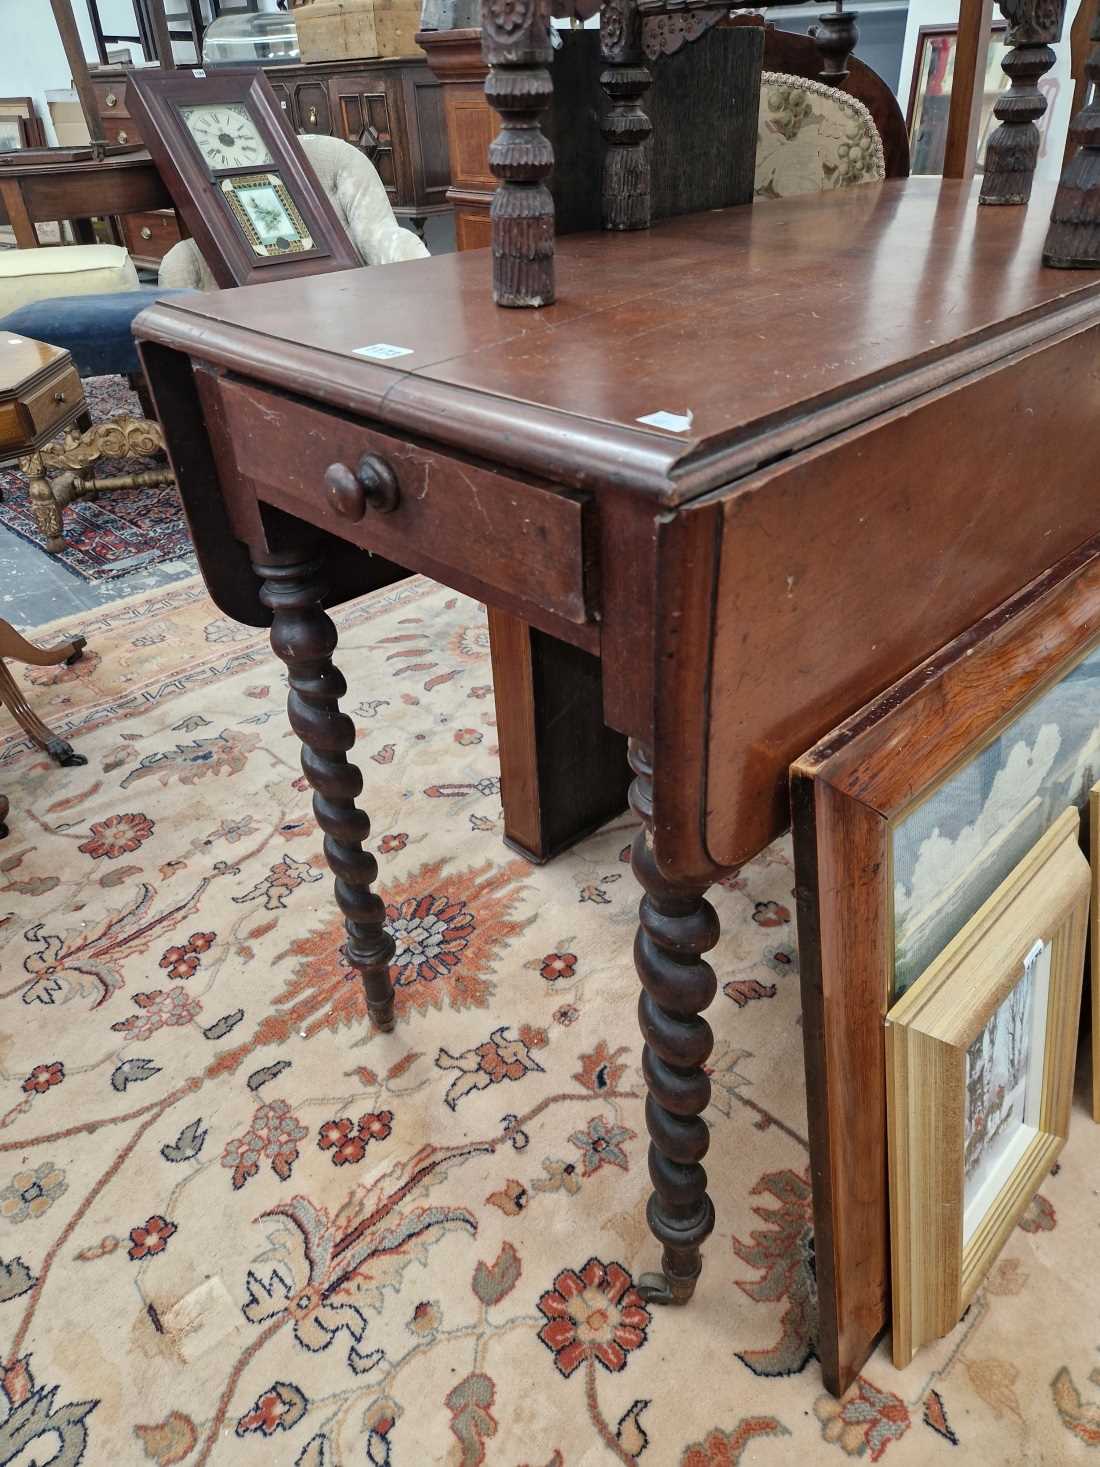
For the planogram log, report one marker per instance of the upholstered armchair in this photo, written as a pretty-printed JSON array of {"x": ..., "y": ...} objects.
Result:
[{"x": 350, "y": 180}]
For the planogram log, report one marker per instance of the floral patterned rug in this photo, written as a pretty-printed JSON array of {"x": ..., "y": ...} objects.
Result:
[
  {"x": 236, "y": 1227},
  {"x": 115, "y": 533}
]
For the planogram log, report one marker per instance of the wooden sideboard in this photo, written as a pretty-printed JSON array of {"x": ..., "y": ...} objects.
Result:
[{"x": 392, "y": 109}]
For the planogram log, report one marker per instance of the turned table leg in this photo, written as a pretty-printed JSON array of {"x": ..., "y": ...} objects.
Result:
[
  {"x": 44, "y": 507},
  {"x": 676, "y": 925},
  {"x": 304, "y": 637}
]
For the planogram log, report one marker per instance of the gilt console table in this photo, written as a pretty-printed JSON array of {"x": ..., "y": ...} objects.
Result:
[{"x": 752, "y": 467}]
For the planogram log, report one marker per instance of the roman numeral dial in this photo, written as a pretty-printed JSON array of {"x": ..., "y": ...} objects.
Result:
[{"x": 226, "y": 135}]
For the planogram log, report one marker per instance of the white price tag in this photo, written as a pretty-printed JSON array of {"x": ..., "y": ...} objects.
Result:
[
  {"x": 382, "y": 351},
  {"x": 198, "y": 71},
  {"x": 671, "y": 422}
]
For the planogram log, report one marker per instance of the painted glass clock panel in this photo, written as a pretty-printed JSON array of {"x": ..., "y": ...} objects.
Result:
[
  {"x": 267, "y": 215},
  {"x": 226, "y": 135}
]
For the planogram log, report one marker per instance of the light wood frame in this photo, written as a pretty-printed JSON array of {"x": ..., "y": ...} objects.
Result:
[
  {"x": 1094, "y": 944},
  {"x": 847, "y": 793},
  {"x": 928, "y": 1033}
]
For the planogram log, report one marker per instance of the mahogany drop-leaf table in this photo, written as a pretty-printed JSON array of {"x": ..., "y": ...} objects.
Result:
[{"x": 877, "y": 416}]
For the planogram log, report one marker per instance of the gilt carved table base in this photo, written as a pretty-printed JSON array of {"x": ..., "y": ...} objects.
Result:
[{"x": 74, "y": 453}]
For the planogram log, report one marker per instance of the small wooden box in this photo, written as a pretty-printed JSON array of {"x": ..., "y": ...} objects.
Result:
[{"x": 335, "y": 30}]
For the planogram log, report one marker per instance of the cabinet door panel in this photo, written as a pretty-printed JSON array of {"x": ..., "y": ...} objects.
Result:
[{"x": 367, "y": 113}]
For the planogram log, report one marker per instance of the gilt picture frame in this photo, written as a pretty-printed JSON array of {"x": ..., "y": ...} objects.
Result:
[
  {"x": 980, "y": 1058},
  {"x": 864, "y": 801}
]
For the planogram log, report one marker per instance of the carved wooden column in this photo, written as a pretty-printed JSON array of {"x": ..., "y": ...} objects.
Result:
[
  {"x": 626, "y": 128},
  {"x": 676, "y": 925},
  {"x": 1013, "y": 148},
  {"x": 1073, "y": 240},
  {"x": 515, "y": 41},
  {"x": 304, "y": 637}
]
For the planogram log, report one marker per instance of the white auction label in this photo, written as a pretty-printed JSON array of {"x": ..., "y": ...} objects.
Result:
[
  {"x": 382, "y": 351},
  {"x": 673, "y": 422},
  {"x": 198, "y": 71}
]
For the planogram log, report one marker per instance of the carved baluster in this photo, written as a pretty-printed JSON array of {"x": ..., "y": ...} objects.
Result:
[
  {"x": 515, "y": 41},
  {"x": 676, "y": 926},
  {"x": 836, "y": 36},
  {"x": 1013, "y": 148},
  {"x": 626, "y": 128},
  {"x": 1073, "y": 240},
  {"x": 304, "y": 637}
]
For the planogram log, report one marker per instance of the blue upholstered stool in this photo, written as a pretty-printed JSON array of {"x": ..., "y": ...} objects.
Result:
[{"x": 95, "y": 329}]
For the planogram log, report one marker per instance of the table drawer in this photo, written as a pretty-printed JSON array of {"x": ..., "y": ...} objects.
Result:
[
  {"x": 151, "y": 235},
  {"x": 54, "y": 401},
  {"x": 111, "y": 96},
  {"x": 512, "y": 535},
  {"x": 121, "y": 130}
]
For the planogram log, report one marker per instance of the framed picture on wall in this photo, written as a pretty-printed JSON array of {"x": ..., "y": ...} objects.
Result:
[
  {"x": 980, "y": 1057},
  {"x": 930, "y": 94},
  {"x": 906, "y": 819}
]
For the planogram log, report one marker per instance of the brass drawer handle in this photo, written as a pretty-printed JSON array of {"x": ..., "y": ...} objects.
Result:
[
  {"x": 111, "y": 100},
  {"x": 123, "y": 138},
  {"x": 146, "y": 232},
  {"x": 59, "y": 397},
  {"x": 372, "y": 485}
]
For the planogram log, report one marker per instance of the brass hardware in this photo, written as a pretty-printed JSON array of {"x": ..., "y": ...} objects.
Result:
[
  {"x": 111, "y": 100},
  {"x": 313, "y": 117},
  {"x": 123, "y": 138},
  {"x": 146, "y": 232},
  {"x": 59, "y": 397},
  {"x": 372, "y": 485}
]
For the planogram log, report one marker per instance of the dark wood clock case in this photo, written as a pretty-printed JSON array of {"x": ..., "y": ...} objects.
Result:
[{"x": 155, "y": 98}]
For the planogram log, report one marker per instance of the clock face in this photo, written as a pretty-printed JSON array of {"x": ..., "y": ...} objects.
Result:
[{"x": 226, "y": 135}]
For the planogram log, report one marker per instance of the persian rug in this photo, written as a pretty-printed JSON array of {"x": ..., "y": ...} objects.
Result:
[
  {"x": 115, "y": 533},
  {"x": 237, "y": 1227}
]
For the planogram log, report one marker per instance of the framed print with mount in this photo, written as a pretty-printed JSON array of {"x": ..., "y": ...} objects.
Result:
[
  {"x": 906, "y": 819},
  {"x": 980, "y": 1057},
  {"x": 237, "y": 175}
]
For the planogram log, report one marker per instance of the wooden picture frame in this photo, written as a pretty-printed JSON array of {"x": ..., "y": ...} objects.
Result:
[
  {"x": 20, "y": 125},
  {"x": 927, "y": 126},
  {"x": 848, "y": 795},
  {"x": 1094, "y": 945},
  {"x": 159, "y": 101},
  {"x": 980, "y": 1056}
]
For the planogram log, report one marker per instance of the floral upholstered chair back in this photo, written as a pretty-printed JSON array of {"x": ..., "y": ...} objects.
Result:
[{"x": 812, "y": 138}]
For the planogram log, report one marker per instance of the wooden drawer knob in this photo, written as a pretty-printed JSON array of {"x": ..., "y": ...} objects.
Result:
[{"x": 371, "y": 485}]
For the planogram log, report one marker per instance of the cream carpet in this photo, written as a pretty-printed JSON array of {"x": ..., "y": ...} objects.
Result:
[{"x": 237, "y": 1228}]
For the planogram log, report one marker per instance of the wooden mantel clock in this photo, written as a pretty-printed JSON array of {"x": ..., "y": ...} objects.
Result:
[{"x": 237, "y": 175}]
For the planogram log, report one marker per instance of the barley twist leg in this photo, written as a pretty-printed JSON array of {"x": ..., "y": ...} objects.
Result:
[{"x": 304, "y": 638}]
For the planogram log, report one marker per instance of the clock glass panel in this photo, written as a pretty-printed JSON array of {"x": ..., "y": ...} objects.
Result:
[
  {"x": 226, "y": 135},
  {"x": 266, "y": 214}
]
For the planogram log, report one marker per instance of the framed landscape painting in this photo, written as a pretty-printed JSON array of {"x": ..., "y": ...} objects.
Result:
[
  {"x": 906, "y": 819},
  {"x": 980, "y": 1067}
]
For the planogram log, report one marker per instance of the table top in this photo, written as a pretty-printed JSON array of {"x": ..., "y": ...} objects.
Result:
[
  {"x": 24, "y": 362},
  {"x": 761, "y": 330},
  {"x": 38, "y": 162}
]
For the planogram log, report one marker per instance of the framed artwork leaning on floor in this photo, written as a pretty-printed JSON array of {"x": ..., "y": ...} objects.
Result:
[
  {"x": 980, "y": 1059},
  {"x": 907, "y": 818}
]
